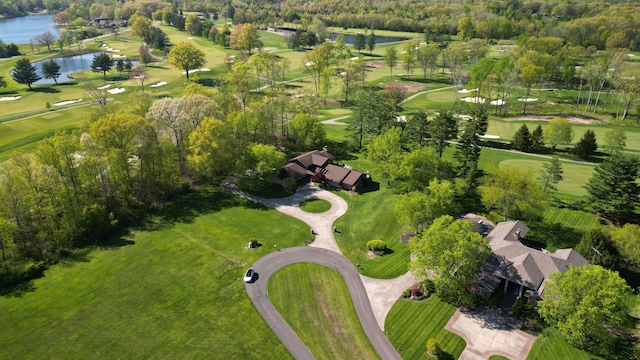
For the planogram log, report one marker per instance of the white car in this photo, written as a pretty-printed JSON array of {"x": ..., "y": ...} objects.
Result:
[{"x": 248, "y": 276}]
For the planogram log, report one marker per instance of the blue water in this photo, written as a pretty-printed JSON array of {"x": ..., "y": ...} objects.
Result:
[
  {"x": 22, "y": 29},
  {"x": 379, "y": 39},
  {"x": 69, "y": 65}
]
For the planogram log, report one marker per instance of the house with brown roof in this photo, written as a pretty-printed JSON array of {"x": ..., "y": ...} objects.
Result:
[
  {"x": 319, "y": 163},
  {"x": 513, "y": 265}
]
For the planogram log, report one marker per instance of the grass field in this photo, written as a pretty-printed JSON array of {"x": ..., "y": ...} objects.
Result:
[
  {"x": 173, "y": 290},
  {"x": 410, "y": 324},
  {"x": 315, "y": 205},
  {"x": 550, "y": 345},
  {"x": 315, "y": 302}
]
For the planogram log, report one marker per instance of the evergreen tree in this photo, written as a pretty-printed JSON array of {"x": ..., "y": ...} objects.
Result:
[
  {"x": 522, "y": 139},
  {"x": 24, "y": 72},
  {"x": 537, "y": 139},
  {"x": 613, "y": 188},
  {"x": 371, "y": 42},
  {"x": 598, "y": 247},
  {"x": 586, "y": 146},
  {"x": 120, "y": 66},
  {"x": 359, "y": 42},
  {"x": 51, "y": 70},
  {"x": 417, "y": 127},
  {"x": 468, "y": 151},
  {"x": 102, "y": 63},
  {"x": 551, "y": 175},
  {"x": 442, "y": 129}
]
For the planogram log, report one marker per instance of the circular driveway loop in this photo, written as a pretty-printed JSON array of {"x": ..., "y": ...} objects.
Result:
[{"x": 267, "y": 265}]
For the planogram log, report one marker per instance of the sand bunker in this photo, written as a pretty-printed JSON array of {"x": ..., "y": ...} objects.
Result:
[
  {"x": 309, "y": 63},
  {"x": 63, "y": 103},
  {"x": 527, "y": 99},
  {"x": 463, "y": 117},
  {"x": 475, "y": 100},
  {"x": 10, "y": 98},
  {"x": 354, "y": 58},
  {"x": 116, "y": 91},
  {"x": 497, "y": 102},
  {"x": 158, "y": 84},
  {"x": 195, "y": 70},
  {"x": 466, "y": 91},
  {"x": 490, "y": 136},
  {"x": 205, "y": 69},
  {"x": 104, "y": 87},
  {"x": 116, "y": 56},
  {"x": 630, "y": 55}
]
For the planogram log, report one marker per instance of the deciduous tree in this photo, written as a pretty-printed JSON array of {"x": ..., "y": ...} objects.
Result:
[
  {"x": 385, "y": 149},
  {"x": 450, "y": 252},
  {"x": 187, "y": 57},
  {"x": 47, "y": 39},
  {"x": 414, "y": 171},
  {"x": 586, "y": 304},
  {"x": 391, "y": 59},
  {"x": 513, "y": 192},
  {"x": 627, "y": 241},
  {"x": 558, "y": 132},
  {"x": 614, "y": 140}
]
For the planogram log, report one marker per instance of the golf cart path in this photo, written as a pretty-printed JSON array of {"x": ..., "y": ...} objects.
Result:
[{"x": 269, "y": 264}]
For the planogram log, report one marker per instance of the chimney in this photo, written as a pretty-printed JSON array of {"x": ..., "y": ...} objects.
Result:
[{"x": 325, "y": 149}]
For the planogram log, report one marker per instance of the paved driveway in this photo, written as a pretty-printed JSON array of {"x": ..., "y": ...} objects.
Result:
[{"x": 489, "y": 332}]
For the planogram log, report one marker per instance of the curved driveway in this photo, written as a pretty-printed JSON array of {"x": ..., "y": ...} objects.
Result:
[{"x": 267, "y": 265}]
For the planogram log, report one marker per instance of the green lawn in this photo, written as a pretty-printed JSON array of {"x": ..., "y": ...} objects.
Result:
[
  {"x": 410, "y": 324},
  {"x": 498, "y": 357},
  {"x": 371, "y": 216},
  {"x": 315, "y": 205},
  {"x": 173, "y": 290},
  {"x": 315, "y": 302},
  {"x": 550, "y": 345}
]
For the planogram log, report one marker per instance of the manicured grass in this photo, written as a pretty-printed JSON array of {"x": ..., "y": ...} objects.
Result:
[
  {"x": 410, "y": 324},
  {"x": 371, "y": 216},
  {"x": 315, "y": 302},
  {"x": 498, "y": 357},
  {"x": 170, "y": 290},
  {"x": 575, "y": 176},
  {"x": 315, "y": 205},
  {"x": 550, "y": 345}
]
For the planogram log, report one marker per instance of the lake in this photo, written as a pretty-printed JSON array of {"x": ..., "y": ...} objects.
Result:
[
  {"x": 70, "y": 65},
  {"x": 21, "y": 30}
]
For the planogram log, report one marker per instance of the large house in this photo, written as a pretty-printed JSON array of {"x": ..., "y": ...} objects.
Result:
[
  {"x": 319, "y": 164},
  {"x": 523, "y": 269}
]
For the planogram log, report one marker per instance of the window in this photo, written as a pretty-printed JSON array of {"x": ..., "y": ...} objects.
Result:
[{"x": 480, "y": 290}]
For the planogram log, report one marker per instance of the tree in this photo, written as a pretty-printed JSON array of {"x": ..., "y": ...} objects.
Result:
[
  {"x": 469, "y": 146},
  {"x": 264, "y": 161},
  {"x": 307, "y": 130},
  {"x": 415, "y": 170},
  {"x": 187, "y": 57},
  {"x": 245, "y": 37},
  {"x": 421, "y": 209},
  {"x": 558, "y": 132},
  {"x": 120, "y": 66},
  {"x": 537, "y": 139},
  {"x": 212, "y": 152},
  {"x": 529, "y": 75},
  {"x": 145, "y": 55},
  {"x": 371, "y": 42},
  {"x": 465, "y": 28},
  {"x": 598, "y": 247},
  {"x": 586, "y": 304},
  {"x": 102, "y": 63},
  {"x": 587, "y": 146},
  {"x": 370, "y": 115},
  {"x": 522, "y": 139},
  {"x": 443, "y": 129},
  {"x": 409, "y": 56},
  {"x": 51, "y": 70},
  {"x": 24, "y": 72},
  {"x": 417, "y": 128},
  {"x": 451, "y": 253},
  {"x": 512, "y": 191},
  {"x": 384, "y": 149},
  {"x": 141, "y": 26},
  {"x": 613, "y": 188},
  {"x": 47, "y": 39},
  {"x": 2, "y": 82},
  {"x": 359, "y": 42},
  {"x": 551, "y": 175},
  {"x": 614, "y": 140},
  {"x": 340, "y": 43},
  {"x": 391, "y": 59},
  {"x": 627, "y": 241}
]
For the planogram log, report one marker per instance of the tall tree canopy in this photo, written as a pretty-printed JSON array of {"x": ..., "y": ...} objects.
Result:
[
  {"x": 24, "y": 72},
  {"x": 513, "y": 191},
  {"x": 187, "y": 57},
  {"x": 51, "y": 70},
  {"x": 442, "y": 128},
  {"x": 558, "y": 132},
  {"x": 613, "y": 188},
  {"x": 586, "y": 304},
  {"x": 450, "y": 252}
]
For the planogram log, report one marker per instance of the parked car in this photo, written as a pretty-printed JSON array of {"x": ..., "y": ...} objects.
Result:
[{"x": 248, "y": 276}]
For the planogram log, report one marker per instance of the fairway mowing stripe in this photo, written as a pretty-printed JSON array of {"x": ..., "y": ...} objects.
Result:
[{"x": 198, "y": 242}]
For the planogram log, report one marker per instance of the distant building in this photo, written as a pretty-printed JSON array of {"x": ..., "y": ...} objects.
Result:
[
  {"x": 513, "y": 265},
  {"x": 319, "y": 164},
  {"x": 109, "y": 23}
]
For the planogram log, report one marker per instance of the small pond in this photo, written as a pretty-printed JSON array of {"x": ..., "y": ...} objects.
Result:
[
  {"x": 379, "y": 39},
  {"x": 70, "y": 65}
]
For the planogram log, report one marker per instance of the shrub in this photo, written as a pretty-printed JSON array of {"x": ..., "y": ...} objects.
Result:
[
  {"x": 429, "y": 287},
  {"x": 377, "y": 246},
  {"x": 415, "y": 292},
  {"x": 521, "y": 309},
  {"x": 433, "y": 347},
  {"x": 406, "y": 293}
]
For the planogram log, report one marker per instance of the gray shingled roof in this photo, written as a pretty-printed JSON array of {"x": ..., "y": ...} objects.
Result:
[{"x": 512, "y": 260}]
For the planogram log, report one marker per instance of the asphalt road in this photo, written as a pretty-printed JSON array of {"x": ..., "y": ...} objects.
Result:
[{"x": 269, "y": 264}]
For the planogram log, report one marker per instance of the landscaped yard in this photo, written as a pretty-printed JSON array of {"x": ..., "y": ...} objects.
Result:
[
  {"x": 550, "y": 345},
  {"x": 410, "y": 324},
  {"x": 315, "y": 205},
  {"x": 315, "y": 302},
  {"x": 171, "y": 290}
]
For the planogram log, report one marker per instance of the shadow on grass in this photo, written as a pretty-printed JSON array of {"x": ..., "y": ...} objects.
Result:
[
  {"x": 370, "y": 187},
  {"x": 48, "y": 90},
  {"x": 544, "y": 234}
]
